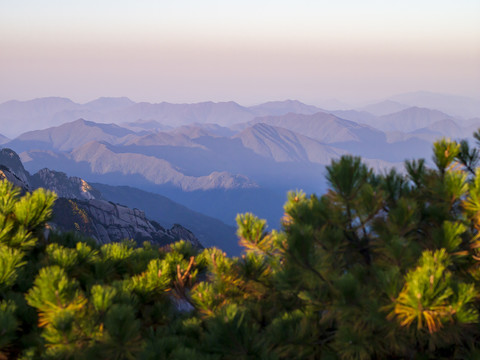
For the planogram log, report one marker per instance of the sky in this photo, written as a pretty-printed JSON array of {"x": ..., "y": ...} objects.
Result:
[{"x": 246, "y": 51}]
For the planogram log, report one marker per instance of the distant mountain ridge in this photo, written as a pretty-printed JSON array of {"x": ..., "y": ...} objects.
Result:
[
  {"x": 224, "y": 158},
  {"x": 283, "y": 145},
  {"x": 90, "y": 143},
  {"x": 101, "y": 159},
  {"x": 324, "y": 127},
  {"x": 284, "y": 107},
  {"x": 70, "y": 135},
  {"x": 205, "y": 162},
  {"x": 454, "y": 105},
  {"x": 47, "y": 112},
  {"x": 410, "y": 119},
  {"x": 384, "y": 107}
]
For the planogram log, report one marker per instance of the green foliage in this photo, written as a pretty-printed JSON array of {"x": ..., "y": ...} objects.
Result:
[
  {"x": 34, "y": 209},
  {"x": 381, "y": 266},
  {"x": 444, "y": 153},
  {"x": 8, "y": 324},
  {"x": 430, "y": 298},
  {"x": 122, "y": 340},
  {"x": 10, "y": 260}
]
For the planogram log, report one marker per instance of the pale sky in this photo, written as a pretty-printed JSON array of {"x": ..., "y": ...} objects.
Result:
[{"x": 246, "y": 51}]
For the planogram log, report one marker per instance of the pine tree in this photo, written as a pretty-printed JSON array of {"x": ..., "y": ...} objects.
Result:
[{"x": 381, "y": 266}]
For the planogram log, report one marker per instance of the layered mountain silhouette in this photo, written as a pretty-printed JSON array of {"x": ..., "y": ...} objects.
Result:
[
  {"x": 457, "y": 106},
  {"x": 410, "y": 119},
  {"x": 324, "y": 127},
  {"x": 384, "y": 107},
  {"x": 36, "y": 114},
  {"x": 21, "y": 116},
  {"x": 220, "y": 158},
  {"x": 70, "y": 135},
  {"x": 283, "y": 145},
  {"x": 284, "y": 107}
]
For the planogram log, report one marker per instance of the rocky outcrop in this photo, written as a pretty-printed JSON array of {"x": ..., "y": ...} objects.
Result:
[
  {"x": 179, "y": 232},
  {"x": 6, "y": 174},
  {"x": 10, "y": 162},
  {"x": 108, "y": 222},
  {"x": 64, "y": 186},
  {"x": 80, "y": 208}
]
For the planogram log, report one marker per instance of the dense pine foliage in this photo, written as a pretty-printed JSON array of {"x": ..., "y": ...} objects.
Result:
[{"x": 381, "y": 266}]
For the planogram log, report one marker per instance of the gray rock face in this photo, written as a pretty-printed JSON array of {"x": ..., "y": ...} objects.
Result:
[
  {"x": 6, "y": 174},
  {"x": 64, "y": 186},
  {"x": 10, "y": 159},
  {"x": 109, "y": 222}
]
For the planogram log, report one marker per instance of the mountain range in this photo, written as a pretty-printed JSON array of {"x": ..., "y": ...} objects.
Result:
[
  {"x": 210, "y": 161},
  {"x": 17, "y": 116}
]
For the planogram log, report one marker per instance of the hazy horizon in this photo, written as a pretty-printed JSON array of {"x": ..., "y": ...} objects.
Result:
[
  {"x": 247, "y": 52},
  {"x": 347, "y": 105}
]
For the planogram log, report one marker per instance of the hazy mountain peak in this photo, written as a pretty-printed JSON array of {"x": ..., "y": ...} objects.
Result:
[
  {"x": 222, "y": 113},
  {"x": 411, "y": 119},
  {"x": 421, "y": 111},
  {"x": 281, "y": 102},
  {"x": 111, "y": 100},
  {"x": 445, "y": 127},
  {"x": 107, "y": 104},
  {"x": 323, "y": 127},
  {"x": 384, "y": 107},
  {"x": 284, "y": 107},
  {"x": 283, "y": 145},
  {"x": 49, "y": 100},
  {"x": 70, "y": 135},
  {"x": 451, "y": 104},
  {"x": 17, "y": 116}
]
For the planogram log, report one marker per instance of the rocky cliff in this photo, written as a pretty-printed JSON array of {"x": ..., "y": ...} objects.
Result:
[
  {"x": 11, "y": 168},
  {"x": 108, "y": 222},
  {"x": 80, "y": 207},
  {"x": 64, "y": 186}
]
